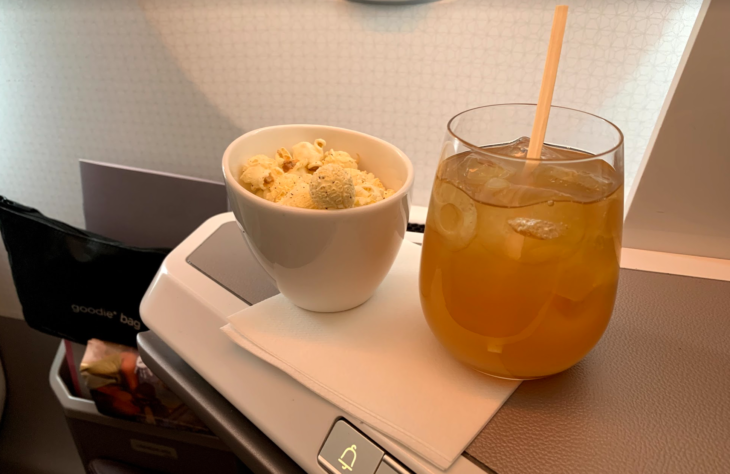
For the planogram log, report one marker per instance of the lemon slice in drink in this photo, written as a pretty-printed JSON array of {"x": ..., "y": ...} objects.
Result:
[{"x": 454, "y": 215}]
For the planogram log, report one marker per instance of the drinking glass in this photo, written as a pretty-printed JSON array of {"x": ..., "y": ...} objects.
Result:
[{"x": 520, "y": 258}]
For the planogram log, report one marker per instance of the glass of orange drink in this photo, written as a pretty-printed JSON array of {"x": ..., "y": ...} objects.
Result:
[{"x": 520, "y": 258}]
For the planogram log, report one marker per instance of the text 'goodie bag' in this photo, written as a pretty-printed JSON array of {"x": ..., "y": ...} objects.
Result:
[{"x": 76, "y": 284}]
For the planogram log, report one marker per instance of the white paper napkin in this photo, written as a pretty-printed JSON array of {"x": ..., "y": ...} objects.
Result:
[{"x": 380, "y": 363}]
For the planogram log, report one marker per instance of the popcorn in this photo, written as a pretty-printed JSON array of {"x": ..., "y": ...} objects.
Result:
[
  {"x": 368, "y": 188},
  {"x": 287, "y": 162},
  {"x": 341, "y": 158},
  {"x": 283, "y": 185},
  {"x": 308, "y": 154},
  {"x": 309, "y": 178},
  {"x": 331, "y": 188},
  {"x": 260, "y": 172},
  {"x": 299, "y": 197}
]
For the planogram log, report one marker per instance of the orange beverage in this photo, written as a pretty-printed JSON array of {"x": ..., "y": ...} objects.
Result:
[{"x": 520, "y": 263}]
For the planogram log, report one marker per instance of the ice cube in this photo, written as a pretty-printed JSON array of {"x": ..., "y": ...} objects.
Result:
[
  {"x": 578, "y": 183},
  {"x": 534, "y": 234},
  {"x": 479, "y": 170},
  {"x": 474, "y": 171},
  {"x": 496, "y": 184},
  {"x": 519, "y": 147},
  {"x": 536, "y": 228},
  {"x": 576, "y": 282},
  {"x": 515, "y": 195},
  {"x": 596, "y": 265}
]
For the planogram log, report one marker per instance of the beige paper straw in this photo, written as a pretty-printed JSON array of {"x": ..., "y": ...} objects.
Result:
[{"x": 547, "y": 86}]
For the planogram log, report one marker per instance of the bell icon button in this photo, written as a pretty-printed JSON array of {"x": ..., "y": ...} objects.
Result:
[
  {"x": 349, "y": 465},
  {"x": 348, "y": 451}
]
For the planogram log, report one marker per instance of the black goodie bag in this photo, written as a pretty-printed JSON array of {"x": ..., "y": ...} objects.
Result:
[{"x": 72, "y": 283}]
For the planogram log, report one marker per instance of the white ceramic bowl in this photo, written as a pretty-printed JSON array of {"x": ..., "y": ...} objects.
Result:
[{"x": 322, "y": 260}]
